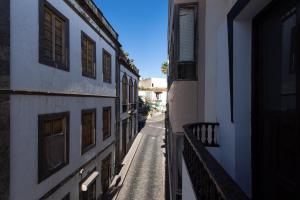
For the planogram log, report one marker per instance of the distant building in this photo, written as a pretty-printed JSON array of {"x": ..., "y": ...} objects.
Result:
[
  {"x": 154, "y": 90},
  {"x": 128, "y": 105}
]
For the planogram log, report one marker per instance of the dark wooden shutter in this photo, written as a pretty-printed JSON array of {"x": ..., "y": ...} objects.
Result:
[
  {"x": 59, "y": 42},
  {"x": 47, "y": 36},
  {"x": 53, "y": 38},
  {"x": 106, "y": 122},
  {"x": 88, "y": 56},
  {"x": 106, "y": 66},
  {"x": 84, "y": 54},
  {"x": 106, "y": 173},
  {"x": 88, "y": 130}
]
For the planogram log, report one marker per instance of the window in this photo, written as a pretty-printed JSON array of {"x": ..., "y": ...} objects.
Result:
[
  {"x": 124, "y": 93},
  {"x": 186, "y": 33},
  {"x": 54, "y": 32},
  {"x": 53, "y": 152},
  {"x": 88, "y": 56},
  {"x": 186, "y": 68},
  {"x": 135, "y": 123},
  {"x": 106, "y": 173},
  {"x": 90, "y": 194},
  {"x": 106, "y": 122},
  {"x": 88, "y": 132},
  {"x": 130, "y": 91},
  {"x": 106, "y": 67},
  {"x": 135, "y": 92},
  {"x": 130, "y": 129}
]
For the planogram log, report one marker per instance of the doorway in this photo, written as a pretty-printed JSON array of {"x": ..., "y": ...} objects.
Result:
[{"x": 275, "y": 130}]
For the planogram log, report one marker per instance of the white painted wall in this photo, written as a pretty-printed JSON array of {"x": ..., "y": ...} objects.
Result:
[
  {"x": 72, "y": 185},
  {"x": 26, "y": 71},
  {"x": 153, "y": 83},
  {"x": 234, "y": 153},
  {"x": 187, "y": 186},
  {"x": 24, "y": 140},
  {"x": 183, "y": 105},
  {"x": 28, "y": 74},
  {"x": 151, "y": 95}
]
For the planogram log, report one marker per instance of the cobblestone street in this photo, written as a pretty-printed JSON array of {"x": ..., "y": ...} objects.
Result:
[{"x": 146, "y": 177}]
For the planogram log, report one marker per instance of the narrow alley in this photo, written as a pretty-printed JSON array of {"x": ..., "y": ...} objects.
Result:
[{"x": 146, "y": 176}]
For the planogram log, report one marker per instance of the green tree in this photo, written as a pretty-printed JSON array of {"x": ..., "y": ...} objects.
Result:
[{"x": 164, "y": 67}]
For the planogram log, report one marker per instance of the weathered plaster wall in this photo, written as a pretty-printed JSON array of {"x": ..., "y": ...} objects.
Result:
[
  {"x": 24, "y": 140},
  {"x": 26, "y": 71}
]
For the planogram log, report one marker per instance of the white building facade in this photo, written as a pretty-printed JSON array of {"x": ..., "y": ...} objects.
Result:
[
  {"x": 128, "y": 122},
  {"x": 58, "y": 93},
  {"x": 154, "y": 90},
  {"x": 233, "y": 82}
]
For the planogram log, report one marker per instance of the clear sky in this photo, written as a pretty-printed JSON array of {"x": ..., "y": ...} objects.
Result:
[{"x": 142, "y": 27}]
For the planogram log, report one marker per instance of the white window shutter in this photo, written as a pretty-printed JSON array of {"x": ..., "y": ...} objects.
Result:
[{"x": 186, "y": 34}]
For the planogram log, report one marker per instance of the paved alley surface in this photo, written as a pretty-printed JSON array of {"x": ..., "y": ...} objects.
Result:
[{"x": 146, "y": 177}]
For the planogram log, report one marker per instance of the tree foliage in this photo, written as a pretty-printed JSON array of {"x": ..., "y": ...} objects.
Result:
[{"x": 164, "y": 67}]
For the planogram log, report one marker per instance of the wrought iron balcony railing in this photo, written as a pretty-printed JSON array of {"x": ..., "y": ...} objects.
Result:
[{"x": 210, "y": 181}]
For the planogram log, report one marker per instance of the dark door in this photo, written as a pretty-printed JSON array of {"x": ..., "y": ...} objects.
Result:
[
  {"x": 124, "y": 138},
  {"x": 276, "y": 140}
]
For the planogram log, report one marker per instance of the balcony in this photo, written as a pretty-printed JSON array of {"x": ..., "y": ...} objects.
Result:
[{"x": 208, "y": 179}]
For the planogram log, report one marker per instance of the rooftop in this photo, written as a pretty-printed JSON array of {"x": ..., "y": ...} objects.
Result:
[{"x": 98, "y": 13}]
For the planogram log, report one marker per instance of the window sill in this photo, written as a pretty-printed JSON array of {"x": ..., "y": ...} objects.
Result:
[
  {"x": 54, "y": 65},
  {"x": 89, "y": 76},
  {"x": 83, "y": 151},
  {"x": 106, "y": 137},
  {"x": 52, "y": 172}
]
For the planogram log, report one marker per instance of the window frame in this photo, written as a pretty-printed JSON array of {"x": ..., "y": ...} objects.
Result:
[
  {"x": 81, "y": 193},
  {"x": 88, "y": 148},
  {"x": 130, "y": 96},
  {"x": 105, "y": 160},
  {"x": 124, "y": 93},
  {"x": 41, "y": 119},
  {"x": 42, "y": 60},
  {"x": 89, "y": 39},
  {"x": 109, "y": 108},
  {"x": 182, "y": 66},
  {"x": 135, "y": 92},
  {"x": 105, "y": 52}
]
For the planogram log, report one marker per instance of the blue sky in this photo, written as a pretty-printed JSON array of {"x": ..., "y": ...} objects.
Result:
[{"x": 142, "y": 27}]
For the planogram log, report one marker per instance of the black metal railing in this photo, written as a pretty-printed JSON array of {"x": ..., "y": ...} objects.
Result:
[{"x": 210, "y": 181}]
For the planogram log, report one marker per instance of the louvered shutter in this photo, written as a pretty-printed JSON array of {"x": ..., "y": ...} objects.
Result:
[
  {"x": 59, "y": 43},
  {"x": 47, "y": 39},
  {"x": 186, "y": 34}
]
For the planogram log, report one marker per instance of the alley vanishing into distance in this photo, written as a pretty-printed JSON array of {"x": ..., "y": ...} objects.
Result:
[{"x": 145, "y": 179}]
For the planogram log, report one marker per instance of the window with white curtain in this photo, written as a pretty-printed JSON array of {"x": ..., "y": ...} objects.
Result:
[{"x": 187, "y": 34}]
